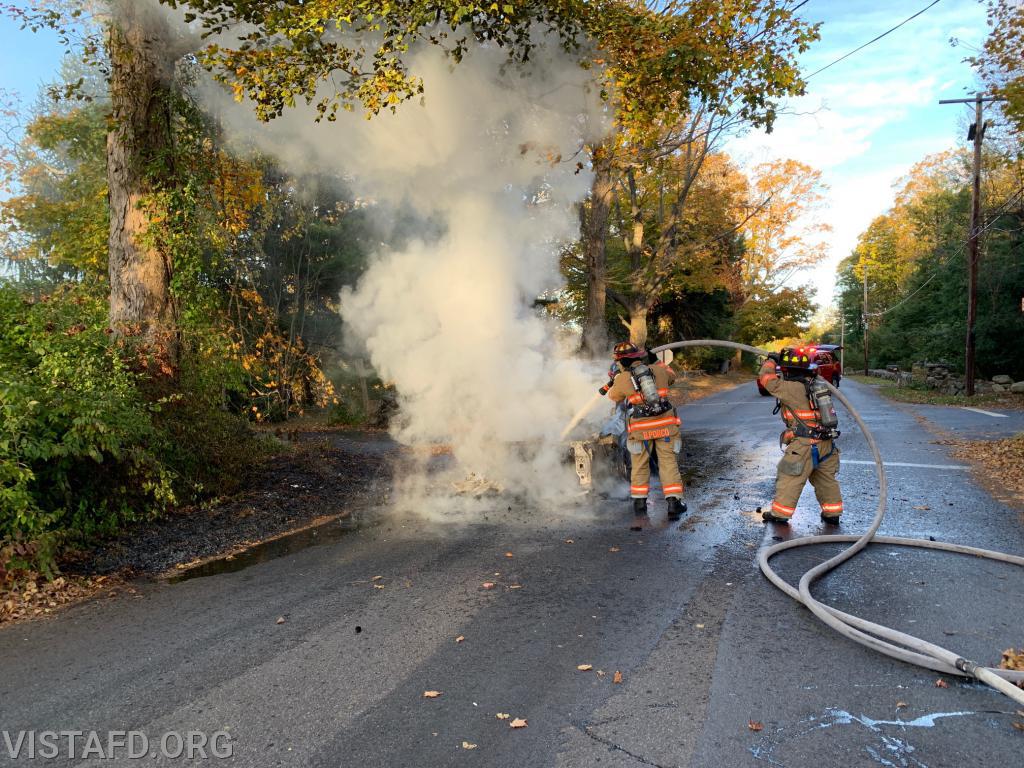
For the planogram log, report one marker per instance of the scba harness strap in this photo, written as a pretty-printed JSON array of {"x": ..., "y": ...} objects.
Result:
[{"x": 803, "y": 429}]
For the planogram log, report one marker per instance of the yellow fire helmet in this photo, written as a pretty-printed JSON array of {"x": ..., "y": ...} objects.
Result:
[{"x": 802, "y": 358}]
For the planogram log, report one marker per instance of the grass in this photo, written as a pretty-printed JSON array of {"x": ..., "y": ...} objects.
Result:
[{"x": 1006, "y": 400}]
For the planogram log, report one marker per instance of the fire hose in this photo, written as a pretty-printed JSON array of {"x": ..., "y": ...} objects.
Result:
[{"x": 891, "y": 642}]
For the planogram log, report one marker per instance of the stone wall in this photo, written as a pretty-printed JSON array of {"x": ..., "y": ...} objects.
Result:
[{"x": 940, "y": 377}]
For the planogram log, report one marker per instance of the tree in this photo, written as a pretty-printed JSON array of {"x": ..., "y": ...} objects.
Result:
[
  {"x": 777, "y": 315},
  {"x": 288, "y": 51},
  {"x": 915, "y": 260},
  {"x": 683, "y": 75},
  {"x": 1000, "y": 63},
  {"x": 140, "y": 170},
  {"x": 285, "y": 51},
  {"x": 782, "y": 234},
  {"x": 676, "y": 225},
  {"x": 60, "y": 209}
]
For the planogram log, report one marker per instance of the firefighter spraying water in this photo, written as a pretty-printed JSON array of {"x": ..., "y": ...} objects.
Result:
[{"x": 641, "y": 383}]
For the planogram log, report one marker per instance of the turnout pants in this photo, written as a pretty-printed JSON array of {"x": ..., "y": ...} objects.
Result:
[
  {"x": 797, "y": 467},
  {"x": 668, "y": 467}
]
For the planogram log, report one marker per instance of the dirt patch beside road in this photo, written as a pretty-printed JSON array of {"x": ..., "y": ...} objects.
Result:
[{"x": 322, "y": 474}]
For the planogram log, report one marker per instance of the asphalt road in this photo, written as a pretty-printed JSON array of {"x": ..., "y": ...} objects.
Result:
[{"x": 704, "y": 644}]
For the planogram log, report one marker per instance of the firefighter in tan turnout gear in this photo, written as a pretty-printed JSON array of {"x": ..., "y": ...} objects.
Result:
[
  {"x": 805, "y": 404},
  {"x": 642, "y": 382}
]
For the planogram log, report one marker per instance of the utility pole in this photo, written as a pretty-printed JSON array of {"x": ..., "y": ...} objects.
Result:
[
  {"x": 864, "y": 313},
  {"x": 976, "y": 133},
  {"x": 842, "y": 343}
]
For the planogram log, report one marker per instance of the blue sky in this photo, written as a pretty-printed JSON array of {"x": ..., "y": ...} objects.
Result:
[{"x": 863, "y": 122}]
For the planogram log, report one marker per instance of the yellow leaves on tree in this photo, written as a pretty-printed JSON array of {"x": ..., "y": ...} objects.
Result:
[
  {"x": 782, "y": 233},
  {"x": 282, "y": 376}
]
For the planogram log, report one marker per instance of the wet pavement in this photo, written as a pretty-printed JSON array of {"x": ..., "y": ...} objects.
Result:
[{"x": 705, "y": 645}]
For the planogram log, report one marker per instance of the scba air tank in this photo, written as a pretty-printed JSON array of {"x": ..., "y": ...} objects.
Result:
[
  {"x": 645, "y": 383},
  {"x": 821, "y": 398}
]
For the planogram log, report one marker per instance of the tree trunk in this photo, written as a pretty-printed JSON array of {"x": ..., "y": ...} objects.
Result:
[
  {"x": 638, "y": 323},
  {"x": 139, "y": 157},
  {"x": 594, "y": 231}
]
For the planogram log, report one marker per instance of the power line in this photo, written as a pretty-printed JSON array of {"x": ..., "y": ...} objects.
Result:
[
  {"x": 869, "y": 42},
  {"x": 1018, "y": 195}
]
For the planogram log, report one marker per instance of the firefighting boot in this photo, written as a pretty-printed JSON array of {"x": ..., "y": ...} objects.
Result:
[
  {"x": 830, "y": 519},
  {"x": 770, "y": 517},
  {"x": 640, "y": 518},
  {"x": 676, "y": 508}
]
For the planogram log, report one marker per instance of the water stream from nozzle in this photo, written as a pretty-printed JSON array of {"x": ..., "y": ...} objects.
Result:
[{"x": 580, "y": 415}]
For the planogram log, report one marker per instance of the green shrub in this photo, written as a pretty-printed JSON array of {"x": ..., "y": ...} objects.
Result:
[
  {"x": 76, "y": 436},
  {"x": 87, "y": 443}
]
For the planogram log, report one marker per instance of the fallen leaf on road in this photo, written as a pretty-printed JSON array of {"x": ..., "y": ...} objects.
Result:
[
  {"x": 509, "y": 554},
  {"x": 488, "y": 585},
  {"x": 467, "y": 745},
  {"x": 585, "y": 667},
  {"x": 519, "y": 722},
  {"x": 901, "y": 704},
  {"x": 1019, "y": 726},
  {"x": 503, "y": 716},
  {"x": 459, "y": 639},
  {"x": 280, "y": 619},
  {"x": 378, "y": 586},
  {"x": 754, "y": 725},
  {"x": 699, "y": 626},
  {"x": 431, "y": 694},
  {"x": 601, "y": 673},
  {"x": 922, "y": 508},
  {"x": 617, "y": 677},
  {"x": 569, "y": 541},
  {"x": 376, "y": 578},
  {"x": 515, "y": 586},
  {"x": 940, "y": 683},
  {"x": 1012, "y": 659},
  {"x": 613, "y": 549}
]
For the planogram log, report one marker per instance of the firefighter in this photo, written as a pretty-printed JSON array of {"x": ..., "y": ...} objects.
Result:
[
  {"x": 641, "y": 382},
  {"x": 811, "y": 454}
]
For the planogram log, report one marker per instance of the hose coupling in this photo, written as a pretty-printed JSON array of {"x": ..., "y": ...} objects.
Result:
[{"x": 966, "y": 666}]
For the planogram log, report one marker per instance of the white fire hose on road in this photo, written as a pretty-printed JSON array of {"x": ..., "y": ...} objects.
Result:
[{"x": 891, "y": 642}]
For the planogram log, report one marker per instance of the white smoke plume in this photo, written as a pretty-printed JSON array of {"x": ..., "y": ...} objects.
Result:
[{"x": 492, "y": 153}]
